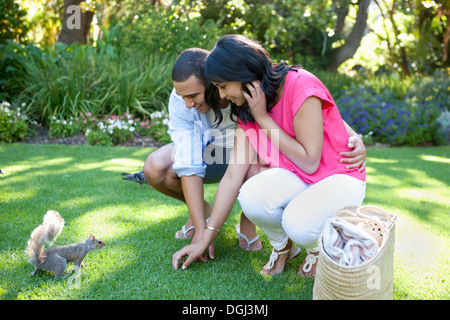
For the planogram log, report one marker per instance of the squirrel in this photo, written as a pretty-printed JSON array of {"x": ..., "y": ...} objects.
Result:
[{"x": 55, "y": 259}]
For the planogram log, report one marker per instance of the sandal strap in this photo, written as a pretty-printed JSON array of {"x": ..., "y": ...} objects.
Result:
[
  {"x": 310, "y": 259},
  {"x": 241, "y": 235},
  {"x": 183, "y": 228},
  {"x": 274, "y": 257}
]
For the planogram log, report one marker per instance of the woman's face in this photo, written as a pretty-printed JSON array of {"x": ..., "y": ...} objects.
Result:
[{"x": 231, "y": 91}]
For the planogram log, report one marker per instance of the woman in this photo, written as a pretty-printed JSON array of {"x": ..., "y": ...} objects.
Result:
[{"x": 288, "y": 120}]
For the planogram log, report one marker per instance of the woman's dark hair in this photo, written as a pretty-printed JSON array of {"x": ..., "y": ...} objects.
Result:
[
  {"x": 238, "y": 58},
  {"x": 191, "y": 62}
]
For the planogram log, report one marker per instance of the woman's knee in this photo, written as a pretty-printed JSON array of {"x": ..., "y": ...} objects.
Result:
[
  {"x": 250, "y": 200},
  {"x": 268, "y": 192},
  {"x": 301, "y": 230}
]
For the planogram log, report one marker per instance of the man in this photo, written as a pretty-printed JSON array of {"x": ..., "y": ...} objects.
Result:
[{"x": 203, "y": 138}]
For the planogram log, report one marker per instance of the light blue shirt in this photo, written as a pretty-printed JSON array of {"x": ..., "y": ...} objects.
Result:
[{"x": 191, "y": 131}]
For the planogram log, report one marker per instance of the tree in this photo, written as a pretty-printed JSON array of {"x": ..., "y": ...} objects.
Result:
[
  {"x": 12, "y": 22},
  {"x": 444, "y": 12},
  {"x": 392, "y": 34},
  {"x": 76, "y": 23},
  {"x": 413, "y": 36},
  {"x": 353, "y": 40},
  {"x": 313, "y": 33}
]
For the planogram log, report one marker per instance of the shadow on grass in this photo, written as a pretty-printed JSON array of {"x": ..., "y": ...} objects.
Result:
[
  {"x": 414, "y": 181},
  {"x": 84, "y": 184}
]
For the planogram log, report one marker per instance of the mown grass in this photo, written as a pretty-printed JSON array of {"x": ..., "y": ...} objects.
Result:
[{"x": 84, "y": 184}]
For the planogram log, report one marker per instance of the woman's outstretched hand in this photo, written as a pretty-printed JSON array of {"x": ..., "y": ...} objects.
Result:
[{"x": 193, "y": 252}]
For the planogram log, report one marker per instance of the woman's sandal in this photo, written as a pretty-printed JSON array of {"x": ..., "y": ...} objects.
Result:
[
  {"x": 184, "y": 231},
  {"x": 310, "y": 261},
  {"x": 292, "y": 253},
  {"x": 243, "y": 236}
]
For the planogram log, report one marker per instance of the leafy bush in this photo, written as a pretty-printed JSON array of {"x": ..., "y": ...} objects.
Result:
[
  {"x": 112, "y": 129},
  {"x": 435, "y": 88},
  {"x": 157, "y": 126},
  {"x": 121, "y": 128},
  {"x": 13, "y": 125},
  {"x": 68, "y": 80},
  {"x": 98, "y": 138},
  {"x": 166, "y": 31},
  {"x": 13, "y": 23},
  {"x": 64, "y": 128},
  {"x": 444, "y": 123},
  {"x": 407, "y": 121}
]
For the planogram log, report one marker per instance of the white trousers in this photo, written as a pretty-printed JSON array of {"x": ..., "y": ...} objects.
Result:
[{"x": 283, "y": 206}]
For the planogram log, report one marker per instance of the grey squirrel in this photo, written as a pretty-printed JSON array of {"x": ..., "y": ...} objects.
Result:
[{"x": 55, "y": 259}]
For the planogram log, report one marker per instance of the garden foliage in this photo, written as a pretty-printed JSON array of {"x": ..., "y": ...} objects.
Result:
[
  {"x": 13, "y": 125},
  {"x": 381, "y": 114},
  {"x": 65, "y": 81},
  {"x": 128, "y": 72},
  {"x": 108, "y": 130}
]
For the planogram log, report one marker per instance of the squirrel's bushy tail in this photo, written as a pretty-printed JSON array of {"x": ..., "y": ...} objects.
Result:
[{"x": 47, "y": 232}]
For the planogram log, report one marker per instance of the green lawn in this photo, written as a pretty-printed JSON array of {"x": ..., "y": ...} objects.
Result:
[{"x": 84, "y": 184}]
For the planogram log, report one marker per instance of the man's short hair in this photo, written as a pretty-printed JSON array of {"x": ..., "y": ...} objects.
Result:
[{"x": 190, "y": 62}]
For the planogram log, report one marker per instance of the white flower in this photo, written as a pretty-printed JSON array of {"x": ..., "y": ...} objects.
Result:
[
  {"x": 157, "y": 114},
  {"x": 132, "y": 129},
  {"x": 166, "y": 122}
]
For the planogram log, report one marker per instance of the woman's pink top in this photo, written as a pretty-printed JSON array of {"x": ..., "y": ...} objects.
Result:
[{"x": 297, "y": 88}]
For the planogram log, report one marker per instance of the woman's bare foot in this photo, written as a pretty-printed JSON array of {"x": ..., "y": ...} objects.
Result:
[
  {"x": 309, "y": 265},
  {"x": 247, "y": 228},
  {"x": 279, "y": 259}
]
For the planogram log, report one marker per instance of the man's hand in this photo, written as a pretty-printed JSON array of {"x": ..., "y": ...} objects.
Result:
[{"x": 356, "y": 157}]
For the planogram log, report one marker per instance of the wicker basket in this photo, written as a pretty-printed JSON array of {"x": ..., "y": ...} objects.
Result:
[{"x": 371, "y": 280}]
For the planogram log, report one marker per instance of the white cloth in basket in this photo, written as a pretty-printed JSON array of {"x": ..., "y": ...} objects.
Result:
[{"x": 346, "y": 243}]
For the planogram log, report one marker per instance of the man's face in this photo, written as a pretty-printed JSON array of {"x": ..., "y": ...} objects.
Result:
[{"x": 193, "y": 93}]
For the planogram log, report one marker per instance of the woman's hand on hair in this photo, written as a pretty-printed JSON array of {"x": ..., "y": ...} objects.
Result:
[{"x": 256, "y": 100}]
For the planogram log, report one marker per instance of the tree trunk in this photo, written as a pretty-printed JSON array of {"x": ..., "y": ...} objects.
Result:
[
  {"x": 76, "y": 24},
  {"x": 444, "y": 11},
  {"x": 353, "y": 41}
]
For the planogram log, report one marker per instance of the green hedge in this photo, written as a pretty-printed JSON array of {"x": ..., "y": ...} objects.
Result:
[{"x": 65, "y": 82}]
